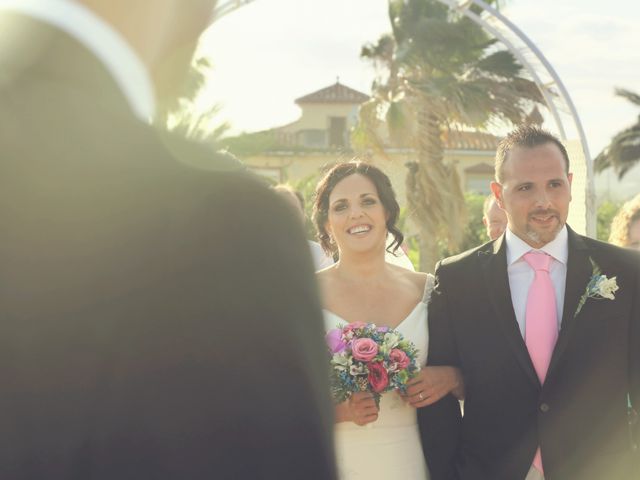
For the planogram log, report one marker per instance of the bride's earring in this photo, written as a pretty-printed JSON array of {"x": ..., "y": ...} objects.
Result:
[{"x": 330, "y": 237}]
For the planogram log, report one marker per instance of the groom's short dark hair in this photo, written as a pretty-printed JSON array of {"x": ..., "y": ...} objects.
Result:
[{"x": 527, "y": 136}]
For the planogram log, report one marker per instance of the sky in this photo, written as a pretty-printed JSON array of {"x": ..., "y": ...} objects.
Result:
[{"x": 270, "y": 52}]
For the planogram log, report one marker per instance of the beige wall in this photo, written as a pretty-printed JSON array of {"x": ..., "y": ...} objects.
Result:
[
  {"x": 295, "y": 167},
  {"x": 316, "y": 117}
]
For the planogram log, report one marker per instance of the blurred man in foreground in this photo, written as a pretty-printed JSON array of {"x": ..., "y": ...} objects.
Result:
[{"x": 158, "y": 322}]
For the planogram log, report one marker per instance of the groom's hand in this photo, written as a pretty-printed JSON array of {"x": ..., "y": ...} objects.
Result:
[{"x": 433, "y": 383}]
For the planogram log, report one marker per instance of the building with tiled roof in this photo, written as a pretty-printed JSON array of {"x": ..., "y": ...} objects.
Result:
[
  {"x": 327, "y": 117},
  {"x": 321, "y": 137}
]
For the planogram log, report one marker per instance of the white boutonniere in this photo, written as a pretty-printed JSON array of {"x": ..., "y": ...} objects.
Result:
[{"x": 600, "y": 287}]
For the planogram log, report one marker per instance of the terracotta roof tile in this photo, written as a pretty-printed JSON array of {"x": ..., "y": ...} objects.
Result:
[
  {"x": 461, "y": 140},
  {"x": 336, "y": 93}
]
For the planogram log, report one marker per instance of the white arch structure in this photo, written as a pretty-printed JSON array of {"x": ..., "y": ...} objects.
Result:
[{"x": 555, "y": 94}]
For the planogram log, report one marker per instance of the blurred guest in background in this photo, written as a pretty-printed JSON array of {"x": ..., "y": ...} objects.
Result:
[
  {"x": 494, "y": 218},
  {"x": 320, "y": 259},
  {"x": 625, "y": 227}
]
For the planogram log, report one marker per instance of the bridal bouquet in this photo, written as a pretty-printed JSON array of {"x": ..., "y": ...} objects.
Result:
[{"x": 368, "y": 358}]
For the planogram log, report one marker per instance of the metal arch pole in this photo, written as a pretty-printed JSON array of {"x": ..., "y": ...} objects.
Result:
[
  {"x": 548, "y": 101},
  {"x": 552, "y": 72},
  {"x": 590, "y": 187}
]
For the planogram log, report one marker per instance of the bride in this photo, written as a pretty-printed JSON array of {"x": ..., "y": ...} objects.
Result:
[{"x": 355, "y": 207}]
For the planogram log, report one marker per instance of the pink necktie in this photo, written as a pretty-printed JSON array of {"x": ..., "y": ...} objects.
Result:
[{"x": 541, "y": 321}]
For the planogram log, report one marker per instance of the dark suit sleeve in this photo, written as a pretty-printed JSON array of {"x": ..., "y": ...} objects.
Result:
[
  {"x": 225, "y": 377},
  {"x": 440, "y": 422},
  {"x": 634, "y": 362}
]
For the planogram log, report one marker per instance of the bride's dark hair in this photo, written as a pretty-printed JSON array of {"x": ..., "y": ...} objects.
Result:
[{"x": 385, "y": 193}]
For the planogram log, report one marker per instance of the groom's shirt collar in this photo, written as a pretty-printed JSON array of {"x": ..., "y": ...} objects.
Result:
[
  {"x": 108, "y": 45},
  {"x": 521, "y": 275},
  {"x": 558, "y": 248}
]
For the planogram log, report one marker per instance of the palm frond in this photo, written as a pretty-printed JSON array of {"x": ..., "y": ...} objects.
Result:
[
  {"x": 400, "y": 121},
  {"x": 367, "y": 134},
  {"x": 629, "y": 95},
  {"x": 501, "y": 64},
  {"x": 622, "y": 154}
]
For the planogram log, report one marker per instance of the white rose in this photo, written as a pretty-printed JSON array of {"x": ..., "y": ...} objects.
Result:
[
  {"x": 391, "y": 340},
  {"x": 607, "y": 287},
  {"x": 341, "y": 361}
]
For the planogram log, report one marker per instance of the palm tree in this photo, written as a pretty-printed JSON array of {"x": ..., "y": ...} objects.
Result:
[
  {"x": 624, "y": 150},
  {"x": 438, "y": 71}
]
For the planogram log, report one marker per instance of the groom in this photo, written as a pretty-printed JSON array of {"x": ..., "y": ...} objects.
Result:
[{"x": 548, "y": 368}]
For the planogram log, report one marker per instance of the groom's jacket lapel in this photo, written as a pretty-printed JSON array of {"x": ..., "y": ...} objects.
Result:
[
  {"x": 579, "y": 272},
  {"x": 494, "y": 265}
]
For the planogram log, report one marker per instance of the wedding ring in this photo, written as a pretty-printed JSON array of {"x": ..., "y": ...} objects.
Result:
[{"x": 420, "y": 396}]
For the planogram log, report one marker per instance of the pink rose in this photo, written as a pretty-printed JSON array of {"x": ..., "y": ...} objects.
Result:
[
  {"x": 334, "y": 340},
  {"x": 364, "y": 349},
  {"x": 378, "y": 378},
  {"x": 400, "y": 358}
]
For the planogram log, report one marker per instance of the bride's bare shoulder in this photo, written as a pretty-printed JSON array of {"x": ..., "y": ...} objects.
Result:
[
  {"x": 408, "y": 278},
  {"x": 418, "y": 279}
]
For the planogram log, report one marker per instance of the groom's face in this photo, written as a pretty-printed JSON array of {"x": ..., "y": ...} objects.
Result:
[{"x": 535, "y": 193}]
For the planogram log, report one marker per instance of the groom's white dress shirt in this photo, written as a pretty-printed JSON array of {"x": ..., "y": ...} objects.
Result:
[
  {"x": 106, "y": 44},
  {"x": 521, "y": 274}
]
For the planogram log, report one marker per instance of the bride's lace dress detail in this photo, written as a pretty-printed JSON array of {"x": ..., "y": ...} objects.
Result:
[{"x": 388, "y": 448}]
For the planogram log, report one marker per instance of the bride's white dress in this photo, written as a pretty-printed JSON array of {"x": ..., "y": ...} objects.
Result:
[{"x": 388, "y": 448}]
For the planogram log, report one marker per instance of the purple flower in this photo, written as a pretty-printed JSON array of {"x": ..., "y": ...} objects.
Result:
[
  {"x": 334, "y": 340},
  {"x": 382, "y": 329}
]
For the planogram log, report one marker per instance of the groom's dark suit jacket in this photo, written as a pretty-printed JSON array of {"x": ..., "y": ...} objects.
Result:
[
  {"x": 579, "y": 417},
  {"x": 156, "y": 321}
]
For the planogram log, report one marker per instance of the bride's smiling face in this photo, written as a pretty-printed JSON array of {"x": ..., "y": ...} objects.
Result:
[{"x": 356, "y": 218}]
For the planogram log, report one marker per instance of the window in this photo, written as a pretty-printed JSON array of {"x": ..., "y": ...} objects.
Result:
[
  {"x": 337, "y": 132},
  {"x": 478, "y": 183}
]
